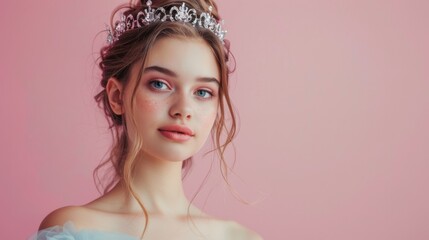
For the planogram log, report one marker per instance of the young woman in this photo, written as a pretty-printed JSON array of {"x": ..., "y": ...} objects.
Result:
[{"x": 165, "y": 89}]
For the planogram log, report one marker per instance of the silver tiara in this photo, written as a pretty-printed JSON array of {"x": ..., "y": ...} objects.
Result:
[{"x": 175, "y": 14}]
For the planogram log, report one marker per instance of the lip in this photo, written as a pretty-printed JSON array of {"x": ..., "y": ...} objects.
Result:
[{"x": 176, "y": 132}]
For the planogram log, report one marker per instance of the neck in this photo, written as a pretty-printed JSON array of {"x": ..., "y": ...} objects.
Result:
[{"x": 158, "y": 183}]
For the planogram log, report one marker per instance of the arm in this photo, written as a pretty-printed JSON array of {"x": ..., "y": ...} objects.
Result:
[{"x": 60, "y": 216}]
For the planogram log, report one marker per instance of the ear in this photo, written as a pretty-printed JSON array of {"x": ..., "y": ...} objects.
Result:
[{"x": 114, "y": 92}]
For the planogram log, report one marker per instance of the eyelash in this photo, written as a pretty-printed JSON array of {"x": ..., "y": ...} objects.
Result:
[
  {"x": 154, "y": 82},
  {"x": 206, "y": 91}
]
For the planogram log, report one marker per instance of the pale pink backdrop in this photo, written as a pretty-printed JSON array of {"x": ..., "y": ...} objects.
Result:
[{"x": 333, "y": 98}]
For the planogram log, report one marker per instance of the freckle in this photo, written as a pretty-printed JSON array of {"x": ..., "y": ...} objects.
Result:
[{"x": 149, "y": 105}]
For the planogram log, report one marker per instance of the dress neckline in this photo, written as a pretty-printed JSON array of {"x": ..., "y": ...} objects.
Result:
[{"x": 70, "y": 226}]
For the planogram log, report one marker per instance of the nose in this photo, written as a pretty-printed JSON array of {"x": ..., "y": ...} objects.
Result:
[{"x": 181, "y": 107}]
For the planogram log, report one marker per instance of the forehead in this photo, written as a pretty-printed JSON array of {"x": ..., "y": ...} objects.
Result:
[{"x": 187, "y": 57}]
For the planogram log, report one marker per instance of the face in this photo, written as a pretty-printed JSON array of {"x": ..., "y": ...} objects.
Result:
[{"x": 176, "y": 100}]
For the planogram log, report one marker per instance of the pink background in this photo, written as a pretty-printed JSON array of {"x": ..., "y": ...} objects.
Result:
[{"x": 333, "y": 98}]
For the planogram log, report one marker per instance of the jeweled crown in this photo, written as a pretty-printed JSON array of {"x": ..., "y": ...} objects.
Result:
[{"x": 175, "y": 14}]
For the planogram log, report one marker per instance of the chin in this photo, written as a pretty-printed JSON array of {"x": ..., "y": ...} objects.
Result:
[{"x": 170, "y": 153}]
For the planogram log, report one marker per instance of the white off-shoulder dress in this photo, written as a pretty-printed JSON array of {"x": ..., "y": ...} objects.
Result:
[{"x": 69, "y": 232}]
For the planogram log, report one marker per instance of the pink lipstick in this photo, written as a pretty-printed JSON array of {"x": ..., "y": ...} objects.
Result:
[{"x": 177, "y": 133}]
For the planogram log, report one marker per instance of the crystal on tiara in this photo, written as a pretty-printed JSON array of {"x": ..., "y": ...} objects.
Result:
[
  {"x": 183, "y": 14},
  {"x": 175, "y": 14}
]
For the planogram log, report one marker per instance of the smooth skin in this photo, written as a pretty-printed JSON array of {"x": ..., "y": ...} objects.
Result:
[{"x": 179, "y": 86}]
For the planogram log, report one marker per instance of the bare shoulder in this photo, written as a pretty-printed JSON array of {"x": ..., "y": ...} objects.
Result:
[
  {"x": 76, "y": 214},
  {"x": 237, "y": 231}
]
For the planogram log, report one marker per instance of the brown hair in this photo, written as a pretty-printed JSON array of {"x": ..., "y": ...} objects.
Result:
[{"x": 132, "y": 47}]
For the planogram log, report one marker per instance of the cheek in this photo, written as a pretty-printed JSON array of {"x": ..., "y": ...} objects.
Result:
[
  {"x": 208, "y": 118},
  {"x": 148, "y": 105},
  {"x": 148, "y": 112}
]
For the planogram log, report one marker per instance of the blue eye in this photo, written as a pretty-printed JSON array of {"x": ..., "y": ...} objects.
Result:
[
  {"x": 158, "y": 85},
  {"x": 204, "y": 93}
]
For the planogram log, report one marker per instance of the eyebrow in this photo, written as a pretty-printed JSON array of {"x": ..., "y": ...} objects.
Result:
[{"x": 171, "y": 73}]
